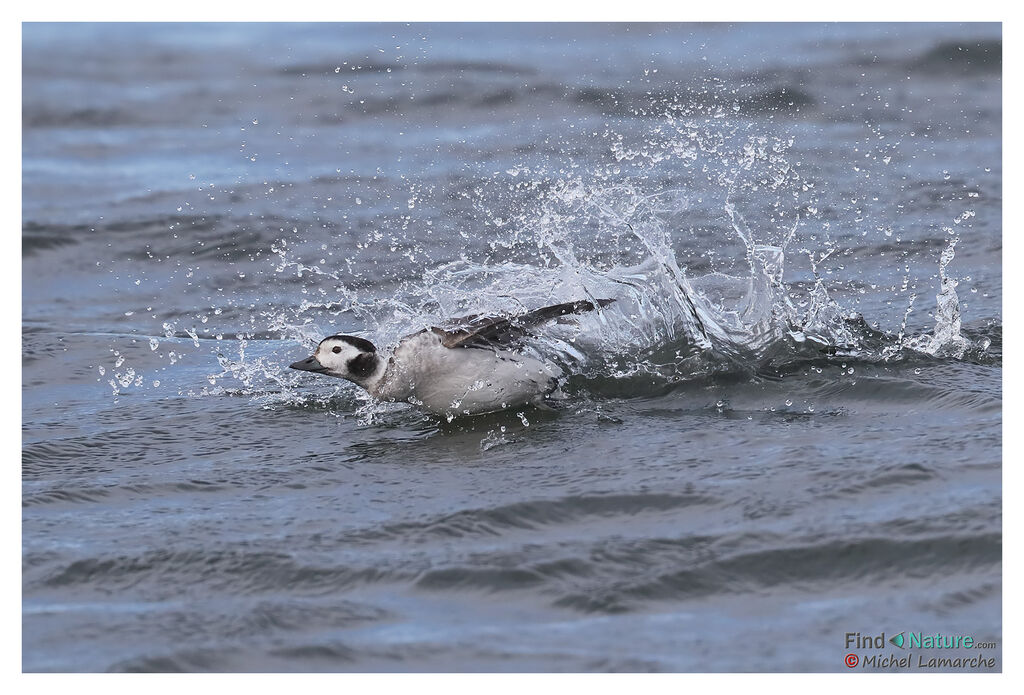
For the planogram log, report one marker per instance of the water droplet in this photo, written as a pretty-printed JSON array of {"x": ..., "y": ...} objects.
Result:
[{"x": 789, "y": 401}]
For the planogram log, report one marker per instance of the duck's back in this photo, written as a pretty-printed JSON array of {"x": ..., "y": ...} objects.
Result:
[{"x": 462, "y": 380}]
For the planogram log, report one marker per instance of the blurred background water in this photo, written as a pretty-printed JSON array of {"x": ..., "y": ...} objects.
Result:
[{"x": 787, "y": 428}]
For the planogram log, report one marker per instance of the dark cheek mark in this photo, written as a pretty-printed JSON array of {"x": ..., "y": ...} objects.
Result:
[{"x": 362, "y": 365}]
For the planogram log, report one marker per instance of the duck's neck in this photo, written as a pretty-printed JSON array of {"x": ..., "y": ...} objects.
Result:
[{"x": 373, "y": 381}]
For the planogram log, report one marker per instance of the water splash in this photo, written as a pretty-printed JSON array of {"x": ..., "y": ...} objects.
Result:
[
  {"x": 698, "y": 288},
  {"x": 946, "y": 340}
]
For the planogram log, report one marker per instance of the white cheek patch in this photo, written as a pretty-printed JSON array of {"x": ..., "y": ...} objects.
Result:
[{"x": 336, "y": 361}]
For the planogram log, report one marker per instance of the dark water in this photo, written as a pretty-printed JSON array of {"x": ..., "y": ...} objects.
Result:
[{"x": 787, "y": 427}]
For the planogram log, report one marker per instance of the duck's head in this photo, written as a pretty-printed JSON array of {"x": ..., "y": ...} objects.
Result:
[{"x": 343, "y": 356}]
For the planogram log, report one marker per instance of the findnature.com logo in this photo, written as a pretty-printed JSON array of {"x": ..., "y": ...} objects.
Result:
[{"x": 906, "y": 641}]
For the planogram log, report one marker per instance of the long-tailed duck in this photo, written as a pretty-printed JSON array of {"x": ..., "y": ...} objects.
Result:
[{"x": 467, "y": 366}]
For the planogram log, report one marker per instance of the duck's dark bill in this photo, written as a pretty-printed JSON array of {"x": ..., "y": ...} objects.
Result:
[{"x": 310, "y": 364}]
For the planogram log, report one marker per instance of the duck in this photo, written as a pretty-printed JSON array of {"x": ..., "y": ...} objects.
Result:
[{"x": 472, "y": 365}]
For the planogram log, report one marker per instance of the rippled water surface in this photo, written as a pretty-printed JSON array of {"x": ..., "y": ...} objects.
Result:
[{"x": 786, "y": 427}]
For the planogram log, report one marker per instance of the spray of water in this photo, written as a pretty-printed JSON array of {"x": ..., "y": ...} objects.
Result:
[{"x": 697, "y": 288}]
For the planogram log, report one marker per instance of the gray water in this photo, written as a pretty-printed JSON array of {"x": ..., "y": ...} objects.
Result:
[{"x": 786, "y": 428}]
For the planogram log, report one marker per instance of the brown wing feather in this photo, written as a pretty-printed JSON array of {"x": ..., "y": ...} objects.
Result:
[{"x": 478, "y": 330}]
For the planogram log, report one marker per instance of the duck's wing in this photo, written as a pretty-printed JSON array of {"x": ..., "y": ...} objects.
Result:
[{"x": 497, "y": 331}]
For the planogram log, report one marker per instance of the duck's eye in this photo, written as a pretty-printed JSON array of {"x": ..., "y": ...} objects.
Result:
[{"x": 336, "y": 350}]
